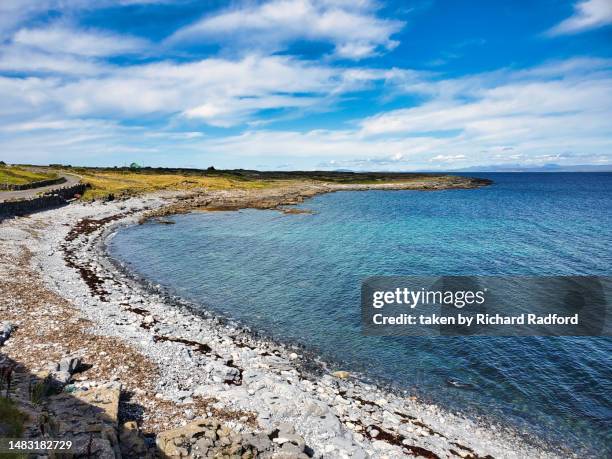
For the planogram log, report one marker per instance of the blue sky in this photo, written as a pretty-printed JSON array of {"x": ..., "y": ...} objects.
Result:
[{"x": 306, "y": 84}]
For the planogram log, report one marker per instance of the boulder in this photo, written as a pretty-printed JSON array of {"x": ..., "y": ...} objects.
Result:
[
  {"x": 341, "y": 374},
  {"x": 132, "y": 442},
  {"x": 6, "y": 328},
  {"x": 62, "y": 377},
  {"x": 89, "y": 419},
  {"x": 221, "y": 373},
  {"x": 208, "y": 438},
  {"x": 104, "y": 397},
  {"x": 62, "y": 371}
]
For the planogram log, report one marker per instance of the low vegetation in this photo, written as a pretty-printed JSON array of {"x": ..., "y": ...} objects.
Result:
[
  {"x": 11, "y": 419},
  {"x": 136, "y": 180},
  {"x": 11, "y": 175},
  {"x": 106, "y": 182}
]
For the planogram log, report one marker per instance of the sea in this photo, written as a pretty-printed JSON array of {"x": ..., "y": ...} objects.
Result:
[{"x": 297, "y": 278}]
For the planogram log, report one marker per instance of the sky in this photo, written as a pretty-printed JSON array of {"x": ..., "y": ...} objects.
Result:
[{"x": 306, "y": 84}]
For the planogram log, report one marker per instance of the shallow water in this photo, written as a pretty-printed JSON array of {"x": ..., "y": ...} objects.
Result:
[{"x": 297, "y": 277}]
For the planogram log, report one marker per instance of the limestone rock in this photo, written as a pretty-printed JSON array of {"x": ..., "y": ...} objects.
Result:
[
  {"x": 104, "y": 397},
  {"x": 223, "y": 373},
  {"x": 207, "y": 438},
  {"x": 132, "y": 442},
  {"x": 69, "y": 364},
  {"x": 341, "y": 374},
  {"x": 6, "y": 328}
]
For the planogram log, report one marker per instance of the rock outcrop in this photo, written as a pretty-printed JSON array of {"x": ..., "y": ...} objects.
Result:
[
  {"x": 208, "y": 438},
  {"x": 6, "y": 328}
]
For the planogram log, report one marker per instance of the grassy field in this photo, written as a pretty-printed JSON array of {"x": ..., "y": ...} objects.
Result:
[
  {"x": 125, "y": 181},
  {"x": 105, "y": 182},
  {"x": 20, "y": 176}
]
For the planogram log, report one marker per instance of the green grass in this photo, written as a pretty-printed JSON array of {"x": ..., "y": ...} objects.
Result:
[
  {"x": 20, "y": 176},
  {"x": 11, "y": 419}
]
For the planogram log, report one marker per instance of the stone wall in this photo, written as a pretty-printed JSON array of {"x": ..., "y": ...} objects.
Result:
[
  {"x": 29, "y": 186},
  {"x": 55, "y": 198}
]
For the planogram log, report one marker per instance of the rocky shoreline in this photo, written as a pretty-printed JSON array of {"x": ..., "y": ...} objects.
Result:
[{"x": 191, "y": 384}]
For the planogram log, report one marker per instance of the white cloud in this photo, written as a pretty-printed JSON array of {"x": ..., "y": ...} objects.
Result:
[
  {"x": 78, "y": 101},
  {"x": 16, "y": 58},
  {"x": 63, "y": 39},
  {"x": 447, "y": 158},
  {"x": 588, "y": 14},
  {"x": 505, "y": 104},
  {"x": 352, "y": 27},
  {"x": 65, "y": 50},
  {"x": 215, "y": 91},
  {"x": 13, "y": 13}
]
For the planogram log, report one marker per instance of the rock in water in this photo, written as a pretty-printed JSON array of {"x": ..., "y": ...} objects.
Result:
[
  {"x": 460, "y": 384},
  {"x": 341, "y": 374}
]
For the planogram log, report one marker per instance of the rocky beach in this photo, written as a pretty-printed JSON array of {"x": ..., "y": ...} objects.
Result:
[{"x": 139, "y": 373}]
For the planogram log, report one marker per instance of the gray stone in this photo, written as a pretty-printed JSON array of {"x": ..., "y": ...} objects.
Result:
[
  {"x": 286, "y": 428},
  {"x": 6, "y": 328},
  {"x": 222, "y": 373},
  {"x": 63, "y": 377},
  {"x": 203, "y": 444},
  {"x": 69, "y": 364},
  {"x": 260, "y": 442},
  {"x": 295, "y": 440},
  {"x": 289, "y": 450}
]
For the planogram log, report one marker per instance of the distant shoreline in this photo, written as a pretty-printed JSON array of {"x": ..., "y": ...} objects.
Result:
[{"x": 296, "y": 192}]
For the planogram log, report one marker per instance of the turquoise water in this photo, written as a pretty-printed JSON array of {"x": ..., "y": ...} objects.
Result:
[{"x": 297, "y": 278}]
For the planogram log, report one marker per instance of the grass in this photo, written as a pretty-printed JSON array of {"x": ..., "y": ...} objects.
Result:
[
  {"x": 11, "y": 419},
  {"x": 128, "y": 183},
  {"x": 19, "y": 176},
  {"x": 123, "y": 182}
]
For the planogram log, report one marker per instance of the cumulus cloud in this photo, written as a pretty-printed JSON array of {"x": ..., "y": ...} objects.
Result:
[
  {"x": 64, "y": 93},
  {"x": 588, "y": 14},
  {"x": 214, "y": 91},
  {"x": 15, "y": 58},
  {"x": 532, "y": 115},
  {"x": 60, "y": 38},
  {"x": 352, "y": 27},
  {"x": 508, "y": 104},
  {"x": 65, "y": 50}
]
